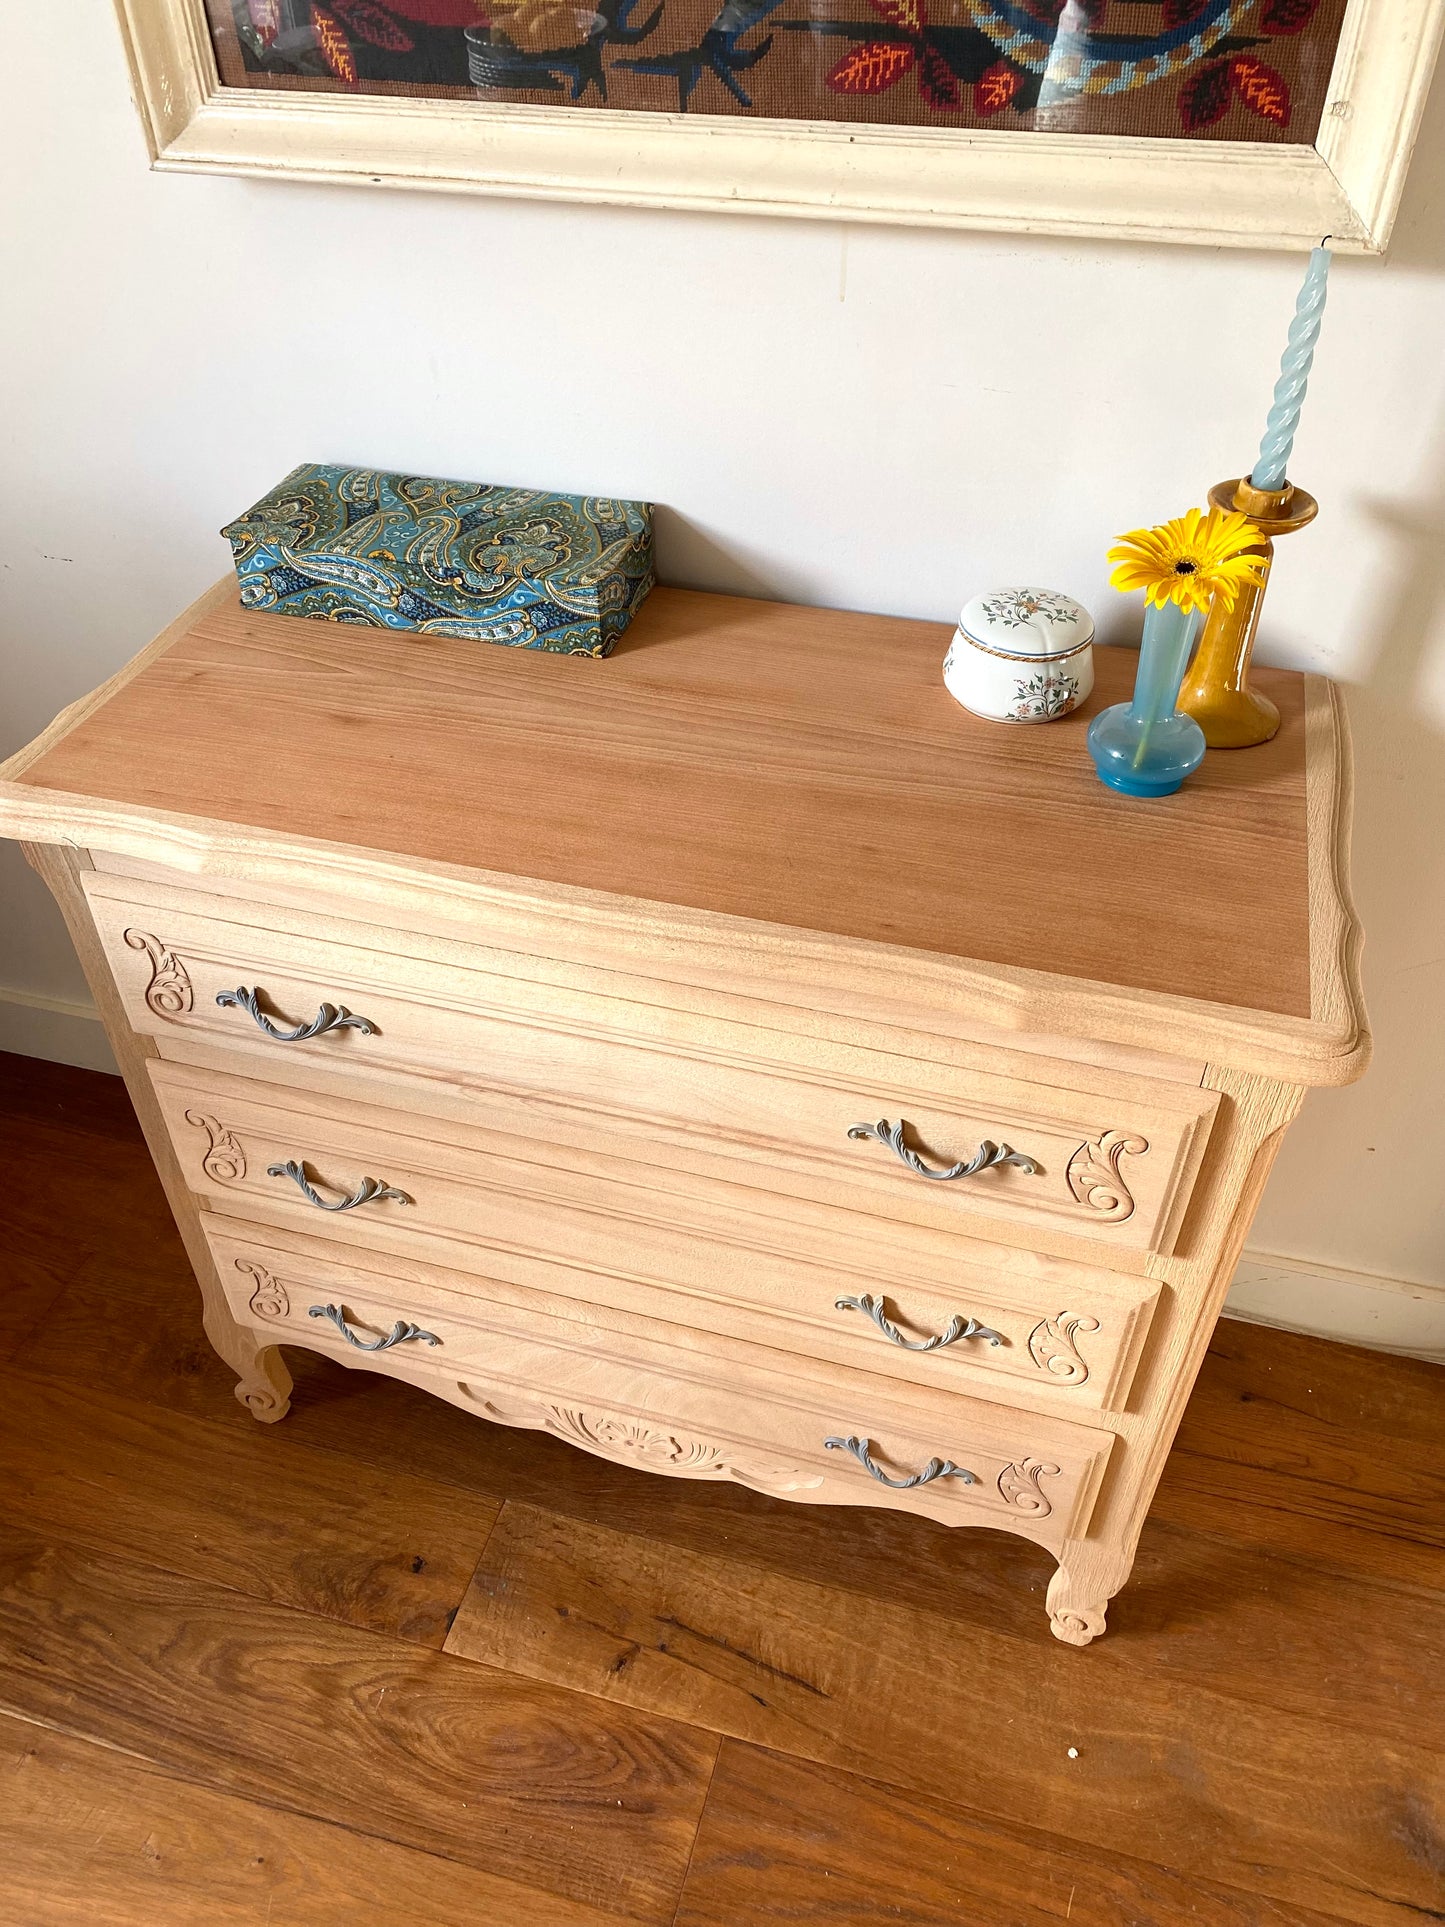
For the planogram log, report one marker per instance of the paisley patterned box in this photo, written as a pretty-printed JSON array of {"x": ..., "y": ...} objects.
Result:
[{"x": 518, "y": 566}]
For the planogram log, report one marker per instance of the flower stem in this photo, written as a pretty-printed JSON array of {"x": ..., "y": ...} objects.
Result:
[{"x": 1164, "y": 652}]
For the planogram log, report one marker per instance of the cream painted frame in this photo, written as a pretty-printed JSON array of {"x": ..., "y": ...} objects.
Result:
[{"x": 1216, "y": 193}]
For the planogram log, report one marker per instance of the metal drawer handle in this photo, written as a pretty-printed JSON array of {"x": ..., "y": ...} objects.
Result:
[
  {"x": 984, "y": 1158},
  {"x": 958, "y": 1327},
  {"x": 367, "y": 1192},
  {"x": 401, "y": 1332},
  {"x": 328, "y": 1017},
  {"x": 935, "y": 1468}
]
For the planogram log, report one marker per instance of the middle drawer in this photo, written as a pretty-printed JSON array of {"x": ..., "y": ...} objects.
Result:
[{"x": 932, "y": 1307}]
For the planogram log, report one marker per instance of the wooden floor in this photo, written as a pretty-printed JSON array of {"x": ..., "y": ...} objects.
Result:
[{"x": 385, "y": 1663}]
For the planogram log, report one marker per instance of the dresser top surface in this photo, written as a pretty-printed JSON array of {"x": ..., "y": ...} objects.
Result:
[{"x": 790, "y": 766}]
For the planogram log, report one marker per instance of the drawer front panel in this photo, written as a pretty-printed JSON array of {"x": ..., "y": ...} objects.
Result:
[
  {"x": 900, "y": 1137},
  {"x": 936, "y": 1309},
  {"x": 663, "y": 1408}
]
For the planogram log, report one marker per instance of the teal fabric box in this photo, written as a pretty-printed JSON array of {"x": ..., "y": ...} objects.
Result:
[{"x": 518, "y": 566}]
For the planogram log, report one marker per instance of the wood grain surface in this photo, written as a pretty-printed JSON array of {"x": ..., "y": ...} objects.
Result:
[
  {"x": 206, "y": 1712},
  {"x": 96, "y": 1835},
  {"x": 800, "y": 767},
  {"x": 843, "y": 1851},
  {"x": 393, "y": 1554},
  {"x": 373, "y": 1734},
  {"x": 789, "y": 1665}
]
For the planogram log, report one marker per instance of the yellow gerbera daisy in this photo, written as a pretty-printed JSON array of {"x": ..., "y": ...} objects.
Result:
[{"x": 1190, "y": 560}]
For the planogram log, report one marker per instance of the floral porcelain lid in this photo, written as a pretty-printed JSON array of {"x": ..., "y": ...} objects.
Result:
[{"x": 1027, "y": 622}]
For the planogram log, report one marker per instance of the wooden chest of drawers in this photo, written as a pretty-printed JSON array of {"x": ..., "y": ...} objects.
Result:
[{"x": 732, "y": 1058}]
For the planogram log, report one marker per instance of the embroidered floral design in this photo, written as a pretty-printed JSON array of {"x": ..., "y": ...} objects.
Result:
[
  {"x": 537, "y": 25},
  {"x": 1235, "y": 66},
  {"x": 333, "y": 44}
]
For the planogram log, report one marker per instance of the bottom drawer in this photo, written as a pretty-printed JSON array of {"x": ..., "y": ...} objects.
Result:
[{"x": 817, "y": 1432}]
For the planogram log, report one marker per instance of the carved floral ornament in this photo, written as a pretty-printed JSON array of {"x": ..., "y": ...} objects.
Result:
[
  {"x": 656, "y": 1448},
  {"x": 225, "y": 1161},
  {"x": 1018, "y": 1486},
  {"x": 269, "y": 1299},
  {"x": 660, "y": 1451},
  {"x": 169, "y": 992},
  {"x": 1094, "y": 1176},
  {"x": 1053, "y": 1350}
]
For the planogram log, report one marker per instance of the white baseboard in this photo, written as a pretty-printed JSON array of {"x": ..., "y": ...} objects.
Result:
[
  {"x": 1386, "y": 1314},
  {"x": 65, "y": 1032},
  {"x": 1356, "y": 1307}
]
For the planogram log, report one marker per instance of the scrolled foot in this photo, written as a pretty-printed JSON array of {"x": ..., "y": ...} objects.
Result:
[
  {"x": 263, "y": 1402},
  {"x": 1077, "y": 1627},
  {"x": 265, "y": 1383},
  {"x": 1079, "y": 1597}
]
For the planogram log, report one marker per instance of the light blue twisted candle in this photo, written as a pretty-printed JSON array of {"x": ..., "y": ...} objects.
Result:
[{"x": 1294, "y": 374}]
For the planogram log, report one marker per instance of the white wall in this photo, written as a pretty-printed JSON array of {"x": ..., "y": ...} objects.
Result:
[{"x": 868, "y": 418}]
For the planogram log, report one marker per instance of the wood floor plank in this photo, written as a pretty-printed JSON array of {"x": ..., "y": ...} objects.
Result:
[
  {"x": 1279, "y": 1631},
  {"x": 1252, "y": 1625},
  {"x": 77, "y": 1175},
  {"x": 245, "y": 1506},
  {"x": 786, "y": 1841},
  {"x": 1326, "y": 1454},
  {"x": 1342, "y": 1386},
  {"x": 88, "y": 1834},
  {"x": 34, "y": 1090},
  {"x": 133, "y": 1324},
  {"x": 1328, "y": 1465},
  {"x": 1294, "y": 1519},
  {"x": 556, "y": 1791},
  {"x": 1171, "y": 1771},
  {"x": 1358, "y": 1480},
  {"x": 34, "y": 1272},
  {"x": 87, "y": 1191}
]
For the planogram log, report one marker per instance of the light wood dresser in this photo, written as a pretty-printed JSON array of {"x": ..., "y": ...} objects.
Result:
[{"x": 731, "y": 1057}]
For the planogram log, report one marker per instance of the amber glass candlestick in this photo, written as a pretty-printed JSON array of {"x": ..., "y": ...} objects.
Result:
[{"x": 1216, "y": 691}]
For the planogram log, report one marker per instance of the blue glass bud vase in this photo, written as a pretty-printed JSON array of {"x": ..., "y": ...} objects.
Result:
[{"x": 1147, "y": 747}]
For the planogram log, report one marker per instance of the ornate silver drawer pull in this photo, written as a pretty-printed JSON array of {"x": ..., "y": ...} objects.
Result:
[
  {"x": 935, "y": 1468},
  {"x": 402, "y": 1332},
  {"x": 984, "y": 1158},
  {"x": 328, "y": 1017},
  {"x": 957, "y": 1328},
  {"x": 367, "y": 1192}
]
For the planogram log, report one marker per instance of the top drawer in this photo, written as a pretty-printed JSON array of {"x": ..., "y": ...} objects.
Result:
[{"x": 1102, "y": 1155}]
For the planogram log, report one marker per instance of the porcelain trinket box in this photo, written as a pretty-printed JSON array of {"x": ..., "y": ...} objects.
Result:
[{"x": 1021, "y": 656}]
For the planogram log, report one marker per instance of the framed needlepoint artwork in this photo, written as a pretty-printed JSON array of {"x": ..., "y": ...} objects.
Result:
[{"x": 1258, "y": 123}]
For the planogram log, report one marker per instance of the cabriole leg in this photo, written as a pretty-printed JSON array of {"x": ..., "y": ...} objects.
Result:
[
  {"x": 264, "y": 1386},
  {"x": 1080, "y": 1591}
]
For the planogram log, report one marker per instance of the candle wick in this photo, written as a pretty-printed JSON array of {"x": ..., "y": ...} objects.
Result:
[{"x": 1326, "y": 239}]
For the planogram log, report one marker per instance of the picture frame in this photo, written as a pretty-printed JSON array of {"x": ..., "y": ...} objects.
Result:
[{"x": 1210, "y": 192}]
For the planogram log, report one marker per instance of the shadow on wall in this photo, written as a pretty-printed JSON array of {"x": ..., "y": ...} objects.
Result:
[
  {"x": 687, "y": 554},
  {"x": 1419, "y": 241},
  {"x": 1375, "y": 1146},
  {"x": 1398, "y": 713}
]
